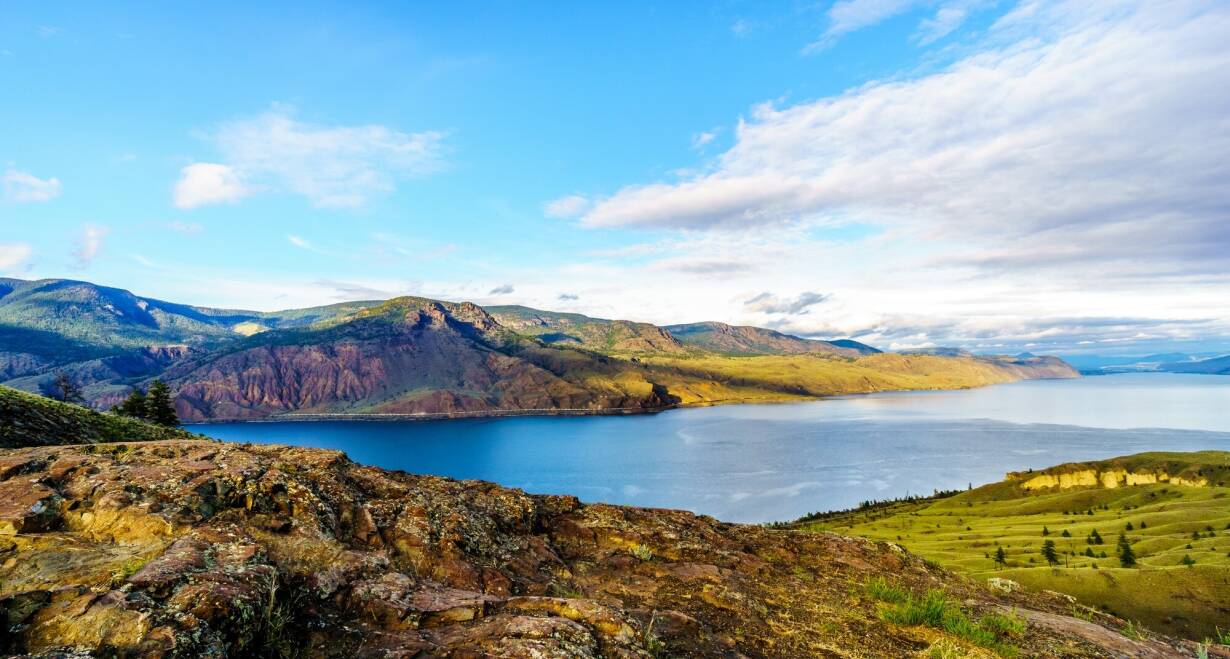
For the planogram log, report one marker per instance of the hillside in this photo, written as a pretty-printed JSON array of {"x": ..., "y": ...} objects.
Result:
[
  {"x": 1214, "y": 366},
  {"x": 29, "y": 420},
  {"x": 743, "y": 340},
  {"x": 612, "y": 337},
  {"x": 1171, "y": 506},
  {"x": 414, "y": 356},
  {"x": 194, "y": 548}
]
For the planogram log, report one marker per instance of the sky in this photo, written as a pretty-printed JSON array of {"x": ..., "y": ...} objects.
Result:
[{"x": 1001, "y": 176}]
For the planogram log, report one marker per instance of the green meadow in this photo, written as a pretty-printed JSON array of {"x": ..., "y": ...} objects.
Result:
[{"x": 1179, "y": 536}]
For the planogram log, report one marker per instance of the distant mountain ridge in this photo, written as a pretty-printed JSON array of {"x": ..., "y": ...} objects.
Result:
[
  {"x": 744, "y": 340},
  {"x": 419, "y": 356}
]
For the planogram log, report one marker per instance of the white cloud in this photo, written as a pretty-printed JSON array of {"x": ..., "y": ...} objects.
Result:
[
  {"x": 1105, "y": 141},
  {"x": 301, "y": 243},
  {"x": 949, "y": 17},
  {"x": 89, "y": 244},
  {"x": 25, "y": 187},
  {"x": 13, "y": 257},
  {"x": 503, "y": 289},
  {"x": 566, "y": 207},
  {"x": 701, "y": 139},
  {"x": 205, "y": 183},
  {"x": 846, "y": 16},
  {"x": 333, "y": 166}
]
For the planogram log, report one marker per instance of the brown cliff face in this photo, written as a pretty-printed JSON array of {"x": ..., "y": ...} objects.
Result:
[
  {"x": 406, "y": 358},
  {"x": 195, "y": 548}
]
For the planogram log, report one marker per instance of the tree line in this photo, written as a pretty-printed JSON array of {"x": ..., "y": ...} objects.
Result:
[{"x": 153, "y": 405}]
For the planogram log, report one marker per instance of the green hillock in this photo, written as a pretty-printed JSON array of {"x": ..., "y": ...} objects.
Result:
[
  {"x": 1179, "y": 535},
  {"x": 30, "y": 420}
]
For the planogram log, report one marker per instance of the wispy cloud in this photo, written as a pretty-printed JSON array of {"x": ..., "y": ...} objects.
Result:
[
  {"x": 89, "y": 244},
  {"x": 772, "y": 304},
  {"x": 186, "y": 228},
  {"x": 505, "y": 289},
  {"x": 332, "y": 166},
  {"x": 13, "y": 257},
  {"x": 566, "y": 207},
  {"x": 24, "y": 187},
  {"x": 703, "y": 138}
]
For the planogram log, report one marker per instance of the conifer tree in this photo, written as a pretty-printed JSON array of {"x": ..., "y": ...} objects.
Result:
[
  {"x": 158, "y": 406},
  {"x": 1048, "y": 552},
  {"x": 1127, "y": 557},
  {"x": 133, "y": 406},
  {"x": 64, "y": 389},
  {"x": 1001, "y": 558}
]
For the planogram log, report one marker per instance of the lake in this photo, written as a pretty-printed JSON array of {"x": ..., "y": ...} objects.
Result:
[{"x": 756, "y": 463}]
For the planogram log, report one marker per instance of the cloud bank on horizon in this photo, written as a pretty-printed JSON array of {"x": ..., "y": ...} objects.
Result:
[{"x": 1044, "y": 176}]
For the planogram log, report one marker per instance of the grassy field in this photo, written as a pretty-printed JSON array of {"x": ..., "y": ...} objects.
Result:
[{"x": 1180, "y": 536}]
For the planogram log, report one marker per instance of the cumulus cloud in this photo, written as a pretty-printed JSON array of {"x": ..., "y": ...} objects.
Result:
[
  {"x": 566, "y": 207},
  {"x": 1104, "y": 134},
  {"x": 333, "y": 166},
  {"x": 501, "y": 290},
  {"x": 89, "y": 244},
  {"x": 13, "y": 257},
  {"x": 205, "y": 183},
  {"x": 772, "y": 304},
  {"x": 24, "y": 187}
]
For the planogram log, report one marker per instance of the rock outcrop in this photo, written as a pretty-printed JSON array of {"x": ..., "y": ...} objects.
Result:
[{"x": 195, "y": 548}]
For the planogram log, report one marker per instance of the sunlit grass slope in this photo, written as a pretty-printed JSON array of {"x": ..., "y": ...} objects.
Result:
[{"x": 1180, "y": 536}]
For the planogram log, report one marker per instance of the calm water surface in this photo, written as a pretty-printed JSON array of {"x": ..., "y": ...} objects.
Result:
[{"x": 754, "y": 463}]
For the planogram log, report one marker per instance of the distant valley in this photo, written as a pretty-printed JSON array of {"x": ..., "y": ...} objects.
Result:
[{"x": 416, "y": 356}]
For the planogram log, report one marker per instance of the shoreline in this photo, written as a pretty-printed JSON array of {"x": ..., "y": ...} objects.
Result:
[{"x": 377, "y": 417}]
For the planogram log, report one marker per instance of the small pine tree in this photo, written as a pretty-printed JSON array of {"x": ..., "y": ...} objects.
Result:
[
  {"x": 1045, "y": 531},
  {"x": 1066, "y": 534},
  {"x": 1001, "y": 558},
  {"x": 158, "y": 406},
  {"x": 1188, "y": 560},
  {"x": 1143, "y": 525},
  {"x": 1049, "y": 553},
  {"x": 1127, "y": 557},
  {"x": 133, "y": 406},
  {"x": 1089, "y": 552},
  {"x": 1097, "y": 537},
  {"x": 1129, "y": 526}
]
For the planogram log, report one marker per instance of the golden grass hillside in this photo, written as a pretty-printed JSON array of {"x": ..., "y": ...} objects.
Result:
[{"x": 1180, "y": 535}]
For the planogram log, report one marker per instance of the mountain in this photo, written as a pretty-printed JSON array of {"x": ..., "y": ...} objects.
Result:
[
  {"x": 418, "y": 356},
  {"x": 610, "y": 337},
  {"x": 205, "y": 548},
  {"x": 742, "y": 340},
  {"x": 1215, "y": 366},
  {"x": 1168, "y": 505},
  {"x": 406, "y": 356}
]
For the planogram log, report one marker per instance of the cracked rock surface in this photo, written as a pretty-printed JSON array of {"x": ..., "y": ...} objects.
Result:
[{"x": 199, "y": 548}]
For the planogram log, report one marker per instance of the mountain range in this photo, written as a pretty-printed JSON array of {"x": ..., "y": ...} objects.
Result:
[
  {"x": 1169, "y": 362},
  {"x": 416, "y": 356}
]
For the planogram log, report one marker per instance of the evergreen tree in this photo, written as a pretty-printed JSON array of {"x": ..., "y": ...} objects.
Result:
[
  {"x": 1001, "y": 558},
  {"x": 1096, "y": 537},
  {"x": 1066, "y": 534},
  {"x": 1045, "y": 531},
  {"x": 64, "y": 389},
  {"x": 158, "y": 406},
  {"x": 133, "y": 406},
  {"x": 1048, "y": 552},
  {"x": 1188, "y": 560},
  {"x": 1127, "y": 557},
  {"x": 1129, "y": 526}
]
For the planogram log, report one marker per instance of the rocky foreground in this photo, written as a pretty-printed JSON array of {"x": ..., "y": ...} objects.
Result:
[{"x": 199, "y": 548}]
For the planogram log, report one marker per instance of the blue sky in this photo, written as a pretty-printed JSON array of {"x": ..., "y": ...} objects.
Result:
[{"x": 999, "y": 175}]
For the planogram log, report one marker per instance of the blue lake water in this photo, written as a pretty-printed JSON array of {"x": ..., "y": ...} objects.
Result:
[{"x": 755, "y": 463}]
